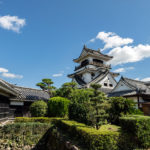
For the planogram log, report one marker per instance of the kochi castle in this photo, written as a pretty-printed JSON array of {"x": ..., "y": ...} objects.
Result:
[{"x": 93, "y": 68}]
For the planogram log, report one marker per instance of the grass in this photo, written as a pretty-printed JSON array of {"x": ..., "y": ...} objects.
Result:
[{"x": 109, "y": 127}]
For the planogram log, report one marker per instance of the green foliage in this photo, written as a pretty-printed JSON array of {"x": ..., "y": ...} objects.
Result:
[
  {"x": 24, "y": 133},
  {"x": 120, "y": 106},
  {"x": 138, "y": 129},
  {"x": 36, "y": 119},
  {"x": 58, "y": 107},
  {"x": 79, "y": 106},
  {"x": 99, "y": 107},
  {"x": 38, "y": 109},
  {"x": 46, "y": 85},
  {"x": 66, "y": 89},
  {"x": 105, "y": 138}
]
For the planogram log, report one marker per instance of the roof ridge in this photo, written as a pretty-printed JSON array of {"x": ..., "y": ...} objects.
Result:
[
  {"x": 105, "y": 73},
  {"x": 135, "y": 80},
  {"x": 28, "y": 88}
]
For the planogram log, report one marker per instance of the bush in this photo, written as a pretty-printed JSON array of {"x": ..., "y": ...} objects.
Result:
[
  {"x": 138, "y": 128},
  {"x": 38, "y": 109},
  {"x": 24, "y": 133},
  {"x": 58, "y": 107},
  {"x": 120, "y": 106},
  {"x": 35, "y": 119},
  {"x": 79, "y": 106},
  {"x": 103, "y": 139}
]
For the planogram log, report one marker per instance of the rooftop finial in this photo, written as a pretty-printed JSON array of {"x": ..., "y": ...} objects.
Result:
[
  {"x": 84, "y": 46},
  {"x": 99, "y": 50}
]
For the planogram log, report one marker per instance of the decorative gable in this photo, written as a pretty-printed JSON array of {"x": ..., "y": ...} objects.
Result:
[
  {"x": 108, "y": 82},
  {"x": 121, "y": 86}
]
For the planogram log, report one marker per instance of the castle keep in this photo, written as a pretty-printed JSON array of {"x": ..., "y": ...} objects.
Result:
[{"x": 93, "y": 68}]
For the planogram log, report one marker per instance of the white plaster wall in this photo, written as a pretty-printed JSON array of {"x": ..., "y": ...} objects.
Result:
[
  {"x": 16, "y": 103},
  {"x": 109, "y": 80},
  {"x": 121, "y": 87},
  {"x": 91, "y": 66},
  {"x": 86, "y": 77},
  {"x": 136, "y": 101}
]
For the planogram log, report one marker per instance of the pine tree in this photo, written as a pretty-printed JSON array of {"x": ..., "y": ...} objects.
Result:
[
  {"x": 46, "y": 85},
  {"x": 99, "y": 106}
]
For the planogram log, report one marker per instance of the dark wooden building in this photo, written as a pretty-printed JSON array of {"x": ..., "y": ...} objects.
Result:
[{"x": 15, "y": 100}]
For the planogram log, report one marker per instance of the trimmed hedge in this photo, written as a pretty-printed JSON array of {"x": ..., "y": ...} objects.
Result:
[
  {"x": 38, "y": 109},
  {"x": 137, "y": 128},
  {"x": 36, "y": 119},
  {"x": 103, "y": 139},
  {"x": 58, "y": 107},
  {"x": 20, "y": 134}
]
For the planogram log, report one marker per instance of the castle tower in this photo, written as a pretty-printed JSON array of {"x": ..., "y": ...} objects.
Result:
[{"x": 93, "y": 68}]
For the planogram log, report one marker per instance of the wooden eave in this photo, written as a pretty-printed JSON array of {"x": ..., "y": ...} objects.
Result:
[{"x": 100, "y": 56}]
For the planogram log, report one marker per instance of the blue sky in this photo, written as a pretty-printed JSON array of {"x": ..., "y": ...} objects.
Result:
[{"x": 40, "y": 38}]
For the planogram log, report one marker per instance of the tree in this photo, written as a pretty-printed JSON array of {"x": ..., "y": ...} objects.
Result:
[
  {"x": 120, "y": 106},
  {"x": 66, "y": 89},
  {"x": 46, "y": 85},
  {"x": 99, "y": 106},
  {"x": 79, "y": 106},
  {"x": 38, "y": 109}
]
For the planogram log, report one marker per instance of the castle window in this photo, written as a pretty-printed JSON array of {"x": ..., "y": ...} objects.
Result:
[
  {"x": 84, "y": 63},
  {"x": 105, "y": 84},
  {"x": 93, "y": 74},
  {"x": 110, "y": 85},
  {"x": 98, "y": 61}
]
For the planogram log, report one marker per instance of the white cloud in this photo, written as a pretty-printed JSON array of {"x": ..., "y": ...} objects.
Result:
[
  {"x": 12, "y": 23},
  {"x": 57, "y": 75},
  {"x": 3, "y": 70},
  {"x": 130, "y": 68},
  {"x": 121, "y": 51},
  {"x": 11, "y": 75},
  {"x": 128, "y": 54},
  {"x": 146, "y": 79},
  {"x": 119, "y": 70},
  {"x": 111, "y": 40},
  {"x": 92, "y": 40},
  {"x": 137, "y": 79}
]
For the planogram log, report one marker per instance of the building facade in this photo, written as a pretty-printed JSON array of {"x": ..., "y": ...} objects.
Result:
[
  {"x": 136, "y": 90},
  {"x": 15, "y": 100},
  {"x": 93, "y": 68}
]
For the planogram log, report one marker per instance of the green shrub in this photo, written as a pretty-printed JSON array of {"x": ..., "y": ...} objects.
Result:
[
  {"x": 58, "y": 107},
  {"x": 79, "y": 105},
  {"x": 138, "y": 128},
  {"x": 120, "y": 106},
  {"x": 38, "y": 109},
  {"x": 103, "y": 139},
  {"x": 24, "y": 133},
  {"x": 35, "y": 119}
]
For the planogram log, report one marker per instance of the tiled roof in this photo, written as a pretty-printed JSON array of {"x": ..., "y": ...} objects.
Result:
[
  {"x": 7, "y": 86},
  {"x": 79, "y": 80},
  {"x": 122, "y": 93},
  {"x": 137, "y": 87},
  {"x": 92, "y": 52},
  {"x": 135, "y": 83},
  {"x": 98, "y": 78},
  {"x": 106, "y": 90},
  {"x": 29, "y": 94},
  {"x": 95, "y": 51},
  {"x": 25, "y": 94}
]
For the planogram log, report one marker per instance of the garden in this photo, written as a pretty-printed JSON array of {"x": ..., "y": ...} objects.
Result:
[{"x": 74, "y": 119}]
